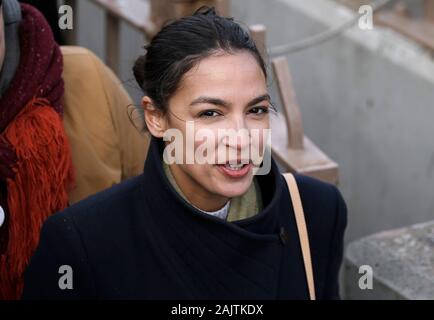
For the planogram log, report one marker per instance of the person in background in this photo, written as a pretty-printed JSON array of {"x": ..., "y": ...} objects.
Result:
[
  {"x": 63, "y": 127},
  {"x": 50, "y": 10}
]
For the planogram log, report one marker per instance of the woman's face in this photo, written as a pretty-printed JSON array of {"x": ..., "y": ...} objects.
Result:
[{"x": 224, "y": 91}]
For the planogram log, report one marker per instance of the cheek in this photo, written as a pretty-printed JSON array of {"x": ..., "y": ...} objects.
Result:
[
  {"x": 205, "y": 146},
  {"x": 259, "y": 137}
]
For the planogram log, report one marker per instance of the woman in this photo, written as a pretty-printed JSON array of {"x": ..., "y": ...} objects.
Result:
[{"x": 190, "y": 230}]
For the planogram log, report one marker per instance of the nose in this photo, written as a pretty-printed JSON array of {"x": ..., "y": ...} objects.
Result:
[
  {"x": 239, "y": 122},
  {"x": 238, "y": 136}
]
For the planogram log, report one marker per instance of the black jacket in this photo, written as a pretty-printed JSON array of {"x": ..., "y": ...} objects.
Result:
[{"x": 142, "y": 240}]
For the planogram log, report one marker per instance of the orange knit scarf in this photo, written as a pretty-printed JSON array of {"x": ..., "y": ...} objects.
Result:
[{"x": 43, "y": 175}]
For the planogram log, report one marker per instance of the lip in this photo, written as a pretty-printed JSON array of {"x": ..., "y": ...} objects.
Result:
[
  {"x": 236, "y": 161},
  {"x": 235, "y": 173}
]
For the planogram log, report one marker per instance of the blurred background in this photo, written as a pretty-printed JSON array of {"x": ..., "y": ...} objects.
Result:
[{"x": 356, "y": 109}]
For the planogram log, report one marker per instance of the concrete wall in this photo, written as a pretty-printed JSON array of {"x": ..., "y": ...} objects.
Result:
[{"x": 366, "y": 97}]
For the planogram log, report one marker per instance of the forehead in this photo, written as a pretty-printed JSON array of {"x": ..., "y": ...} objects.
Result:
[{"x": 229, "y": 76}]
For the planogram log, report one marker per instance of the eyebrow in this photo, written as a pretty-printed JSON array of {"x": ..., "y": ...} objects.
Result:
[{"x": 222, "y": 103}]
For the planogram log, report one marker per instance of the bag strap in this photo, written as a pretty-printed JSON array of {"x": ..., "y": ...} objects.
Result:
[{"x": 302, "y": 231}]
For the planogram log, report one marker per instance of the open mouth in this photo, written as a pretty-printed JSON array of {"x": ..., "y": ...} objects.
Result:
[
  {"x": 235, "y": 170},
  {"x": 235, "y": 167}
]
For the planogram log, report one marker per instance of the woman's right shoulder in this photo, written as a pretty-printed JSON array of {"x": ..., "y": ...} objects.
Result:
[
  {"x": 102, "y": 210},
  {"x": 77, "y": 237}
]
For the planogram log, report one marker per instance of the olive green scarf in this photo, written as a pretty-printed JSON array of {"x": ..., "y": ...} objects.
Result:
[{"x": 245, "y": 206}]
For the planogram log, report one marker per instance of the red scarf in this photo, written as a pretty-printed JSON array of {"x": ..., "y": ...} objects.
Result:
[{"x": 31, "y": 121}]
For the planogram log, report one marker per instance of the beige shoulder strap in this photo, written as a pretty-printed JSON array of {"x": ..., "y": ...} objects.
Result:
[{"x": 302, "y": 231}]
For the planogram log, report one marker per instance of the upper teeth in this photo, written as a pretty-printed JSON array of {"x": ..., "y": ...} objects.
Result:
[{"x": 234, "y": 166}]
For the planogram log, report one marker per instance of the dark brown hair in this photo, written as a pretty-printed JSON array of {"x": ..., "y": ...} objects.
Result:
[{"x": 182, "y": 44}]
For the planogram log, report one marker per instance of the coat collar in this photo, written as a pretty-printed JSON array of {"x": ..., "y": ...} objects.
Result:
[
  {"x": 270, "y": 184},
  {"x": 248, "y": 249}
]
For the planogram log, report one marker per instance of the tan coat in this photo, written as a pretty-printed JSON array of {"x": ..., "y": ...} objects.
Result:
[{"x": 106, "y": 147}]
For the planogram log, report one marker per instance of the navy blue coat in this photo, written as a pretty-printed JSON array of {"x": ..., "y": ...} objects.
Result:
[{"x": 142, "y": 240}]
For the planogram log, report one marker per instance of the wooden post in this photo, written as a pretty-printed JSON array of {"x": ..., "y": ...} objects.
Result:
[
  {"x": 289, "y": 103},
  {"x": 223, "y": 7},
  {"x": 429, "y": 10},
  {"x": 258, "y": 32},
  {"x": 135, "y": 13},
  {"x": 161, "y": 12},
  {"x": 400, "y": 9},
  {"x": 187, "y": 7},
  {"x": 151, "y": 15},
  {"x": 299, "y": 154},
  {"x": 112, "y": 42},
  {"x": 290, "y": 147},
  {"x": 419, "y": 30}
]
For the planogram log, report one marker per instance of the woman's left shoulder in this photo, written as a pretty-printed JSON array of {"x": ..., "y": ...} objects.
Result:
[
  {"x": 323, "y": 203},
  {"x": 323, "y": 192}
]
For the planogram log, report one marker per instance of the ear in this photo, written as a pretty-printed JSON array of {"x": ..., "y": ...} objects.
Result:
[{"x": 154, "y": 118}]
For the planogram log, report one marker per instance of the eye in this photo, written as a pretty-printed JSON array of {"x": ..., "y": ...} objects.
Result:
[
  {"x": 208, "y": 114},
  {"x": 259, "y": 110}
]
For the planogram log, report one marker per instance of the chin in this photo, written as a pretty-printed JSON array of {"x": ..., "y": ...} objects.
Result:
[{"x": 233, "y": 189}]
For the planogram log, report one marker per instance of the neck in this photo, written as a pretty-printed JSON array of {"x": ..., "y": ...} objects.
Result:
[{"x": 195, "y": 193}]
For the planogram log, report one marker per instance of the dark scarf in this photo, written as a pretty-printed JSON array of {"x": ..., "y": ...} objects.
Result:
[{"x": 31, "y": 123}]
